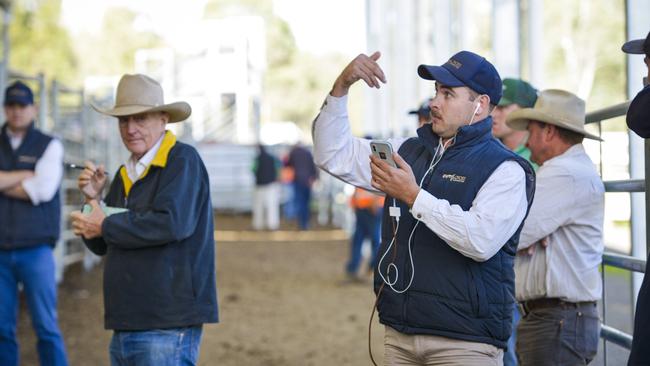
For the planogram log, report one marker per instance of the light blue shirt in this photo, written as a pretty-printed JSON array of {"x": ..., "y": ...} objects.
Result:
[{"x": 569, "y": 210}]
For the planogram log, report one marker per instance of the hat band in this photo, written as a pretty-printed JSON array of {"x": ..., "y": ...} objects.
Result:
[{"x": 137, "y": 105}]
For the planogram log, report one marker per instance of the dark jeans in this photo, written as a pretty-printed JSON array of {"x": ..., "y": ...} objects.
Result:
[
  {"x": 34, "y": 268},
  {"x": 565, "y": 335},
  {"x": 302, "y": 196},
  {"x": 366, "y": 226},
  {"x": 158, "y": 347},
  {"x": 510, "y": 355}
]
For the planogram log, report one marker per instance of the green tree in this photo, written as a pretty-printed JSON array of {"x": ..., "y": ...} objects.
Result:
[
  {"x": 582, "y": 42},
  {"x": 39, "y": 44},
  {"x": 112, "y": 50}
]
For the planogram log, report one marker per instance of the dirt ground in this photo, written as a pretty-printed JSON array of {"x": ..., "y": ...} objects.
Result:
[{"x": 282, "y": 301}]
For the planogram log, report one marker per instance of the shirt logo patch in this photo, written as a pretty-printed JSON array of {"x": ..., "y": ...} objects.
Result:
[
  {"x": 454, "y": 178},
  {"x": 27, "y": 159}
]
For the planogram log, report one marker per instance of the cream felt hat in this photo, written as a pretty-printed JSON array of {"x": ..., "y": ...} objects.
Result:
[
  {"x": 555, "y": 107},
  {"x": 140, "y": 94}
]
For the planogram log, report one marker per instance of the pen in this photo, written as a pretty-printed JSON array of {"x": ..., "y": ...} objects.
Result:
[{"x": 74, "y": 166}]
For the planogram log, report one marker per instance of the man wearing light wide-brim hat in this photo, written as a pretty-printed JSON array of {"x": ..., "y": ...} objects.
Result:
[
  {"x": 561, "y": 243},
  {"x": 156, "y": 233}
]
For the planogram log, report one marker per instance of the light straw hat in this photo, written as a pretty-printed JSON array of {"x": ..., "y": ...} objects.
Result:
[
  {"x": 140, "y": 94},
  {"x": 555, "y": 107}
]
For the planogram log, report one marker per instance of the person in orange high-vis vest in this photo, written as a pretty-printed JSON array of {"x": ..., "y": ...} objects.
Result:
[{"x": 368, "y": 210}]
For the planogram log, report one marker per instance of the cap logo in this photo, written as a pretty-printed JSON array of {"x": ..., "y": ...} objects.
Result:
[
  {"x": 18, "y": 93},
  {"x": 455, "y": 63}
]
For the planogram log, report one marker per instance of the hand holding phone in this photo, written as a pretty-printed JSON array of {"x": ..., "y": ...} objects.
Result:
[{"x": 384, "y": 151}]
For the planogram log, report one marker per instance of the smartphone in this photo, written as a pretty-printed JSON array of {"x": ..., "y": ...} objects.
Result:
[{"x": 384, "y": 151}]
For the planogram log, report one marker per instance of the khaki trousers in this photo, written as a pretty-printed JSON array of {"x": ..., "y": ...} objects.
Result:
[{"x": 406, "y": 349}]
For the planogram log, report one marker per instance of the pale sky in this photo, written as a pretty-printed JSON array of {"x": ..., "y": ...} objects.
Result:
[{"x": 319, "y": 26}]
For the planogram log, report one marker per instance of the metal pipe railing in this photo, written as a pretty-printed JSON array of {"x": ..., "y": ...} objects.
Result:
[
  {"x": 626, "y": 185},
  {"x": 624, "y": 261},
  {"x": 614, "y": 111},
  {"x": 615, "y": 336}
]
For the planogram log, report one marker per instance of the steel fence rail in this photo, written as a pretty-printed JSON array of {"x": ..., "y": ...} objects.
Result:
[
  {"x": 610, "y": 112},
  {"x": 615, "y": 336},
  {"x": 624, "y": 262},
  {"x": 626, "y": 185}
]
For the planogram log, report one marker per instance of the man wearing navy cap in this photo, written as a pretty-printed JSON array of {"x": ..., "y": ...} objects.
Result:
[
  {"x": 423, "y": 113},
  {"x": 638, "y": 114},
  {"x": 31, "y": 167},
  {"x": 517, "y": 94},
  {"x": 455, "y": 205},
  {"x": 638, "y": 120}
]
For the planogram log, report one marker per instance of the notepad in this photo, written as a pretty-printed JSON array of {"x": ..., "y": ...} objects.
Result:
[{"x": 108, "y": 210}]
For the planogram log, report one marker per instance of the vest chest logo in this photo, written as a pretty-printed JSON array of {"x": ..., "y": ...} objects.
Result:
[
  {"x": 454, "y": 178},
  {"x": 27, "y": 159}
]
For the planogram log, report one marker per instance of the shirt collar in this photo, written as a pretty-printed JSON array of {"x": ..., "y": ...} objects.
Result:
[
  {"x": 159, "y": 159},
  {"x": 135, "y": 168},
  {"x": 14, "y": 139},
  {"x": 573, "y": 151}
]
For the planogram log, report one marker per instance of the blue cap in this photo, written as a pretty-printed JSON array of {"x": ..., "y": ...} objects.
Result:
[
  {"x": 424, "y": 110},
  {"x": 18, "y": 93},
  {"x": 466, "y": 69}
]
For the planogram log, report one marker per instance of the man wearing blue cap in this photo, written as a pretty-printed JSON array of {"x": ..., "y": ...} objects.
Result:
[
  {"x": 423, "y": 113},
  {"x": 638, "y": 114},
  {"x": 638, "y": 120},
  {"x": 31, "y": 168},
  {"x": 455, "y": 206}
]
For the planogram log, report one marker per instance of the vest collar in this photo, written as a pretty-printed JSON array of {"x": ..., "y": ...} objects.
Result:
[
  {"x": 5, "y": 136},
  {"x": 467, "y": 135}
]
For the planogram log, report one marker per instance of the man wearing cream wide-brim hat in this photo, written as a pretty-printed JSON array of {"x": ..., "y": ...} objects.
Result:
[
  {"x": 561, "y": 242},
  {"x": 159, "y": 275}
]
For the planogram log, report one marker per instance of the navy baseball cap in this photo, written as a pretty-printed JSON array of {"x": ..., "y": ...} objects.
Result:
[
  {"x": 637, "y": 46},
  {"x": 424, "y": 110},
  {"x": 18, "y": 93},
  {"x": 466, "y": 69}
]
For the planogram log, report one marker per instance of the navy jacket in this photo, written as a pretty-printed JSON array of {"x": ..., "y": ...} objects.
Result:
[
  {"x": 452, "y": 295},
  {"x": 266, "y": 169},
  {"x": 160, "y": 255},
  {"x": 638, "y": 114},
  {"x": 302, "y": 162},
  {"x": 23, "y": 224}
]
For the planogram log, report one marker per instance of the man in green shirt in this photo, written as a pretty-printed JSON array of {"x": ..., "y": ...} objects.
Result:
[{"x": 517, "y": 94}]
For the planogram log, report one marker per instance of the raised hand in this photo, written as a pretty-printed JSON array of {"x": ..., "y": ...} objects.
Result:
[
  {"x": 362, "y": 67},
  {"x": 91, "y": 181}
]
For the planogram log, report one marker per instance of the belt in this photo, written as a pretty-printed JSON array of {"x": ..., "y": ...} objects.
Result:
[{"x": 552, "y": 302}]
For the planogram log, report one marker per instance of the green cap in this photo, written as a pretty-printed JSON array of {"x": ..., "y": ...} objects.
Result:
[{"x": 516, "y": 91}]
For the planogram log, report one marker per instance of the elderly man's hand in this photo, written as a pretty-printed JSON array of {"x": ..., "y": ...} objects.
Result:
[
  {"x": 91, "y": 181},
  {"x": 362, "y": 67},
  {"x": 89, "y": 226},
  {"x": 396, "y": 182}
]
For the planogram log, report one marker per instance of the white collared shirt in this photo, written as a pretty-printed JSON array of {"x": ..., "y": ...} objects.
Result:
[
  {"x": 48, "y": 170},
  {"x": 568, "y": 210},
  {"x": 135, "y": 168},
  {"x": 479, "y": 233}
]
